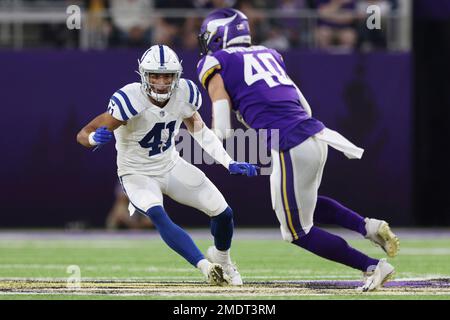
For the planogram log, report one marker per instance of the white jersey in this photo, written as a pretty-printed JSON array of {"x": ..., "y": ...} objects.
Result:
[{"x": 146, "y": 144}]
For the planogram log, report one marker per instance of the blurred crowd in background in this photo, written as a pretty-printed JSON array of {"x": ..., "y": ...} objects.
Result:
[{"x": 281, "y": 24}]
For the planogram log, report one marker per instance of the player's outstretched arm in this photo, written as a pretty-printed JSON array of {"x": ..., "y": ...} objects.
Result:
[
  {"x": 221, "y": 105},
  {"x": 98, "y": 131},
  {"x": 206, "y": 139},
  {"x": 211, "y": 144}
]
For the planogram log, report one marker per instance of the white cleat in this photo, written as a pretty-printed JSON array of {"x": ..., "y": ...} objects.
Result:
[
  {"x": 216, "y": 275},
  {"x": 229, "y": 268},
  {"x": 378, "y": 231},
  {"x": 382, "y": 273}
]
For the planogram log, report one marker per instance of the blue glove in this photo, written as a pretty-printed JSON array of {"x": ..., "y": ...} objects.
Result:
[
  {"x": 243, "y": 168},
  {"x": 102, "y": 135}
]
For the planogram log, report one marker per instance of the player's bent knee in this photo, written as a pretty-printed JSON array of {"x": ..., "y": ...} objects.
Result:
[
  {"x": 144, "y": 200},
  {"x": 225, "y": 217},
  {"x": 288, "y": 236},
  {"x": 157, "y": 214},
  {"x": 212, "y": 201},
  {"x": 306, "y": 230}
]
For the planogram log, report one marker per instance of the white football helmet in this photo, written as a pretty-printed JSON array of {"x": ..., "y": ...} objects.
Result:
[{"x": 159, "y": 59}]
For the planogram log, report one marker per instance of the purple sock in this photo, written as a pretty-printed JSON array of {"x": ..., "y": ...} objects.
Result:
[
  {"x": 332, "y": 247},
  {"x": 329, "y": 211}
]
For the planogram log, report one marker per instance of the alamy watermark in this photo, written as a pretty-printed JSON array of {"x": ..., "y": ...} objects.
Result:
[
  {"x": 73, "y": 21},
  {"x": 243, "y": 146},
  {"x": 374, "y": 19}
]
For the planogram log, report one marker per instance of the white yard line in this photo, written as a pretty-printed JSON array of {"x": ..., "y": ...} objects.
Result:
[
  {"x": 96, "y": 292},
  {"x": 193, "y": 288},
  {"x": 196, "y": 279}
]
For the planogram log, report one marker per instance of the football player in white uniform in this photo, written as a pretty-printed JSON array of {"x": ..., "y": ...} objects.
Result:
[{"x": 145, "y": 118}]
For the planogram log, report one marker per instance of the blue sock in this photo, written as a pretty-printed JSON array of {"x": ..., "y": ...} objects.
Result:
[
  {"x": 222, "y": 229},
  {"x": 175, "y": 237}
]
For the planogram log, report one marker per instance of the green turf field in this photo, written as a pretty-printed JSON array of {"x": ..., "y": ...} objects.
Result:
[{"x": 116, "y": 268}]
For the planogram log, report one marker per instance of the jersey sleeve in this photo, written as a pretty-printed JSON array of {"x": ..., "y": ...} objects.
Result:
[
  {"x": 124, "y": 104},
  {"x": 191, "y": 97},
  {"x": 206, "y": 68}
]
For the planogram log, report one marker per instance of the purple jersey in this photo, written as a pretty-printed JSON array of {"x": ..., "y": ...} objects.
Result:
[{"x": 261, "y": 91}]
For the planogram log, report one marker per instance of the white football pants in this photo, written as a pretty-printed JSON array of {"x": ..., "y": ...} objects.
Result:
[
  {"x": 294, "y": 184},
  {"x": 184, "y": 183},
  {"x": 296, "y": 177}
]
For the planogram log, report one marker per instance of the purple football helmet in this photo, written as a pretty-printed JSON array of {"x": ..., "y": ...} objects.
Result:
[{"x": 223, "y": 28}]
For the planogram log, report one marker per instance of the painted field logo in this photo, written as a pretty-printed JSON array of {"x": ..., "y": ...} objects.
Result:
[
  {"x": 73, "y": 21},
  {"x": 73, "y": 281}
]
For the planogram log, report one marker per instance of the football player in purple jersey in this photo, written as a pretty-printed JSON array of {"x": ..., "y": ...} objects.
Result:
[{"x": 252, "y": 81}]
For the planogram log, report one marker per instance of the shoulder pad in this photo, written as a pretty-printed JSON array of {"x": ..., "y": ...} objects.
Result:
[
  {"x": 125, "y": 103},
  {"x": 190, "y": 93},
  {"x": 206, "y": 68}
]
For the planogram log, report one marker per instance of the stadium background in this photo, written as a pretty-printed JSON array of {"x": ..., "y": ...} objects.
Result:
[{"x": 390, "y": 98}]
